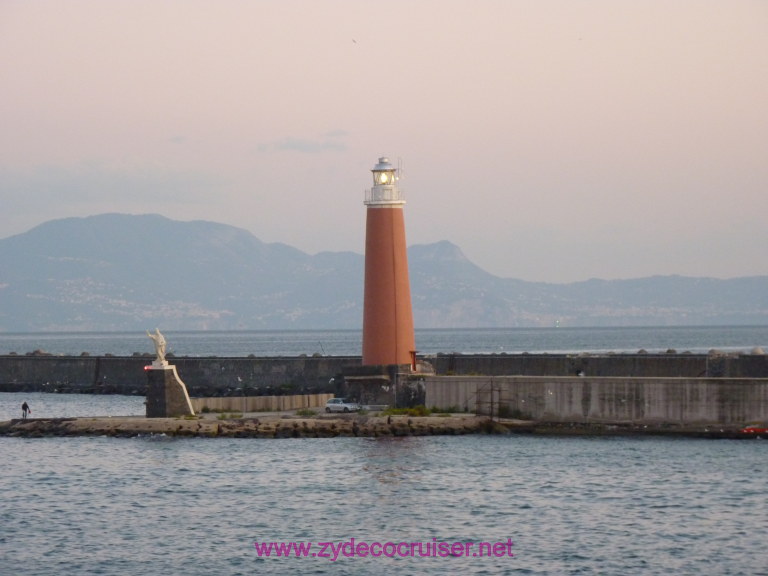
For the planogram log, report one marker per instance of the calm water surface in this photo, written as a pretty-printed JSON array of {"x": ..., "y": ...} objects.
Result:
[
  {"x": 46, "y": 405},
  {"x": 153, "y": 505},
  {"x": 349, "y": 342}
]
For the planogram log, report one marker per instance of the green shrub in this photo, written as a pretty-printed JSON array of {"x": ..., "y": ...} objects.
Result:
[
  {"x": 232, "y": 416},
  {"x": 419, "y": 410},
  {"x": 504, "y": 411},
  {"x": 446, "y": 410}
]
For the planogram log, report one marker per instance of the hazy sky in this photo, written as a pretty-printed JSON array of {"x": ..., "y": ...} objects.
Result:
[{"x": 553, "y": 140}]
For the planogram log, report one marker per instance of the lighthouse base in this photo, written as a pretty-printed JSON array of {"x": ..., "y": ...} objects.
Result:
[{"x": 391, "y": 385}]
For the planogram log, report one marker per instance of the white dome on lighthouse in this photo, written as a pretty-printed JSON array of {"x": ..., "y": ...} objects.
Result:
[{"x": 384, "y": 164}]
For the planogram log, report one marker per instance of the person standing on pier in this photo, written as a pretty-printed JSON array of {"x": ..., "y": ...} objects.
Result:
[{"x": 24, "y": 409}]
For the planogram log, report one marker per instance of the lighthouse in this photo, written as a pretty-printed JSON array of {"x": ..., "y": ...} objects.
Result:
[{"x": 388, "y": 335}]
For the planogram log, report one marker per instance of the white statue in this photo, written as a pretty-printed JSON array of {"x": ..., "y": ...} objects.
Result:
[{"x": 159, "y": 341}]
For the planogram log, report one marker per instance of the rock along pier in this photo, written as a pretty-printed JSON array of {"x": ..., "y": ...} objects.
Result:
[{"x": 332, "y": 426}]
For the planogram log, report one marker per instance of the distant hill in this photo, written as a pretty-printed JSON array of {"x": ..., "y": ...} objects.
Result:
[{"x": 122, "y": 272}]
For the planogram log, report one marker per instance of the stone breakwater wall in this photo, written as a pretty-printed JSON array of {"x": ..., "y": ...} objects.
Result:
[
  {"x": 641, "y": 365},
  {"x": 638, "y": 401},
  {"x": 278, "y": 376},
  {"x": 202, "y": 376}
]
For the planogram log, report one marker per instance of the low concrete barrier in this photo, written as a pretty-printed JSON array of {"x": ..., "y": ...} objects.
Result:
[
  {"x": 724, "y": 401},
  {"x": 260, "y": 403}
]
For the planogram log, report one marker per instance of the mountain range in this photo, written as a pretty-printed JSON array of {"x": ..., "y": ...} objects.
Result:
[{"x": 119, "y": 272}]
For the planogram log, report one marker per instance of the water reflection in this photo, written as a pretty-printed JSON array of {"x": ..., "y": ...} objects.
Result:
[{"x": 391, "y": 460}]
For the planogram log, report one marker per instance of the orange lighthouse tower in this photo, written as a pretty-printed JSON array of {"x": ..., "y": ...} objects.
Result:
[{"x": 388, "y": 336}]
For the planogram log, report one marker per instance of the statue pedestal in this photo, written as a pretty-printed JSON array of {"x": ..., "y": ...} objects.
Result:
[{"x": 166, "y": 394}]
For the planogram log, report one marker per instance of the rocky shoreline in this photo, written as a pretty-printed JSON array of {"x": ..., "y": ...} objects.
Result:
[
  {"x": 268, "y": 426},
  {"x": 328, "y": 426}
]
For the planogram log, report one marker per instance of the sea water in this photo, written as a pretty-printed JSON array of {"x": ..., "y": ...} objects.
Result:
[
  {"x": 156, "y": 505},
  {"x": 45, "y": 405},
  {"x": 699, "y": 339}
]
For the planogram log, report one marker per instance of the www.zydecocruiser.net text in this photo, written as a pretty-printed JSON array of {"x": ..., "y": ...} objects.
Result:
[{"x": 361, "y": 549}]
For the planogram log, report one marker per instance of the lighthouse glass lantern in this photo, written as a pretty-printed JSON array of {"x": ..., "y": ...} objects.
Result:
[
  {"x": 383, "y": 173},
  {"x": 385, "y": 184}
]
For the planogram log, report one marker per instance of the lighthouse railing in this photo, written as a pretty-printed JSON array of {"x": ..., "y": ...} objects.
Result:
[{"x": 384, "y": 195}]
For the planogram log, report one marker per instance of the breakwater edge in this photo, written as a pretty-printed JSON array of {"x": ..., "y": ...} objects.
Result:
[
  {"x": 257, "y": 376},
  {"x": 291, "y": 426},
  {"x": 597, "y": 391}
]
